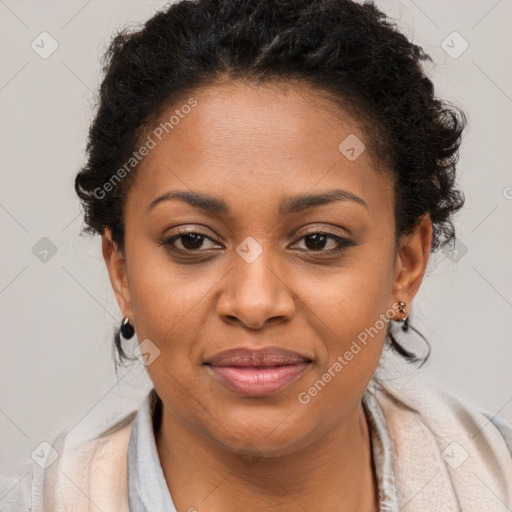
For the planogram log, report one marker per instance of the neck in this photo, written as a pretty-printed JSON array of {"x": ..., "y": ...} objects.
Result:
[{"x": 334, "y": 473}]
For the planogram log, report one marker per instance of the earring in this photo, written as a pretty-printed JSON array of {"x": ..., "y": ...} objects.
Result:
[
  {"x": 127, "y": 329},
  {"x": 402, "y": 308}
]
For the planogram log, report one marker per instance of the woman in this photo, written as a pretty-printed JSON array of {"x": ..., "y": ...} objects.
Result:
[{"x": 269, "y": 179}]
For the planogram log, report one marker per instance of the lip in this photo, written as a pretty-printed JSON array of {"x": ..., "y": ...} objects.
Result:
[{"x": 258, "y": 372}]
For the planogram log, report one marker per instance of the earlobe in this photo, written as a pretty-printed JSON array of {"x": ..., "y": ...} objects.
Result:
[
  {"x": 412, "y": 259},
  {"x": 116, "y": 266}
]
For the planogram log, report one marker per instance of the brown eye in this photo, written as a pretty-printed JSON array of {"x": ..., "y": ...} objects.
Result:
[
  {"x": 188, "y": 241},
  {"x": 318, "y": 241},
  {"x": 191, "y": 241}
]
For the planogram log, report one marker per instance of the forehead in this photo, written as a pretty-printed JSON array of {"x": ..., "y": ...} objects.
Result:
[{"x": 245, "y": 141}]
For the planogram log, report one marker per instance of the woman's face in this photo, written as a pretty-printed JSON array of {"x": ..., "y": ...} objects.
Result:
[{"x": 266, "y": 169}]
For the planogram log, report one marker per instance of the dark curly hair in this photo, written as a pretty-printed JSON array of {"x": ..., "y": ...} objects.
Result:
[{"x": 352, "y": 52}]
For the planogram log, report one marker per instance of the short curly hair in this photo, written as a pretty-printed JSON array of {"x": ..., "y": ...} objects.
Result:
[{"x": 351, "y": 51}]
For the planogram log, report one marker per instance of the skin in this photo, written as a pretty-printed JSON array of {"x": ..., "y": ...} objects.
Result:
[{"x": 251, "y": 146}]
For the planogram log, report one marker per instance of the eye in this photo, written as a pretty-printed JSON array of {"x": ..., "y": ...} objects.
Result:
[
  {"x": 190, "y": 241},
  {"x": 316, "y": 241}
]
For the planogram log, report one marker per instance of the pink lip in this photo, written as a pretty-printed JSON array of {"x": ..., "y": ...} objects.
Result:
[{"x": 257, "y": 372}]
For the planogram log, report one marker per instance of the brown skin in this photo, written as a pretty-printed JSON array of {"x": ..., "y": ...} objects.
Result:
[{"x": 251, "y": 146}]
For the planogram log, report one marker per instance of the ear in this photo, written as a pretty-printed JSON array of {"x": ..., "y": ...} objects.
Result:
[
  {"x": 116, "y": 265},
  {"x": 411, "y": 261}
]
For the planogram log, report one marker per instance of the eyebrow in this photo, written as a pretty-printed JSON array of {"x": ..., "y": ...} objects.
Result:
[{"x": 289, "y": 205}]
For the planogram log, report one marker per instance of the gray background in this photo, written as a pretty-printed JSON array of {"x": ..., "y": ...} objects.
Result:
[{"x": 57, "y": 316}]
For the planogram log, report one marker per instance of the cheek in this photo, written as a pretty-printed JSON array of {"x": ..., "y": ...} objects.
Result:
[
  {"x": 350, "y": 312},
  {"x": 164, "y": 295},
  {"x": 350, "y": 299},
  {"x": 362, "y": 299},
  {"x": 169, "y": 304}
]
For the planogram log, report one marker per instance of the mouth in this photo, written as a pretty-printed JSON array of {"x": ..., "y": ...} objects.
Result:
[{"x": 257, "y": 372}]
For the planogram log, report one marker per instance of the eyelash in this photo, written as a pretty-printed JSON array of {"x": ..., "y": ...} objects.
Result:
[{"x": 342, "y": 242}]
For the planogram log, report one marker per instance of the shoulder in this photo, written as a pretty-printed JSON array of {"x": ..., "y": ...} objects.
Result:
[
  {"x": 410, "y": 398},
  {"x": 37, "y": 483},
  {"x": 477, "y": 422},
  {"x": 439, "y": 408}
]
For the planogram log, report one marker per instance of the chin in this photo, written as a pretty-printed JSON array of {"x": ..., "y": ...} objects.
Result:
[{"x": 265, "y": 431}]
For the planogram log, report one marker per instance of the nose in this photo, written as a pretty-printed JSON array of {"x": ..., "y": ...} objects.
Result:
[{"x": 256, "y": 293}]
